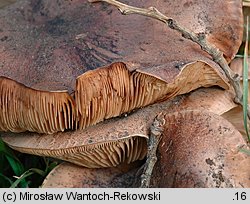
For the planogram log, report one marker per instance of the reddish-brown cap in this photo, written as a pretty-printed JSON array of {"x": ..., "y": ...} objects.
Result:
[
  {"x": 53, "y": 45},
  {"x": 201, "y": 149}
]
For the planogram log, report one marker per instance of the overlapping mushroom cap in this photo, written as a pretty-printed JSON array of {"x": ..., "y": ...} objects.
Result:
[
  {"x": 107, "y": 144},
  {"x": 47, "y": 45},
  {"x": 108, "y": 65},
  {"x": 199, "y": 149},
  {"x": 118, "y": 140},
  {"x": 67, "y": 175}
]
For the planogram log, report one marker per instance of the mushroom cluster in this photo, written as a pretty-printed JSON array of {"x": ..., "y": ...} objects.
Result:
[
  {"x": 89, "y": 96},
  {"x": 64, "y": 97}
]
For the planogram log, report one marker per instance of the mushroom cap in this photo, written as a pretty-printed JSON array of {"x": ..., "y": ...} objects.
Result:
[
  {"x": 201, "y": 149},
  {"x": 198, "y": 149},
  {"x": 237, "y": 66},
  {"x": 67, "y": 175},
  {"x": 107, "y": 144},
  {"x": 235, "y": 115},
  {"x": 44, "y": 55},
  {"x": 49, "y": 44},
  {"x": 211, "y": 99}
]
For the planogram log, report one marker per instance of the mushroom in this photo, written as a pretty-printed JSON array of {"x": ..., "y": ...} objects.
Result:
[
  {"x": 117, "y": 140},
  {"x": 201, "y": 149},
  {"x": 210, "y": 99},
  {"x": 107, "y": 144},
  {"x": 198, "y": 149},
  {"x": 67, "y": 175},
  {"x": 146, "y": 70},
  {"x": 237, "y": 66}
]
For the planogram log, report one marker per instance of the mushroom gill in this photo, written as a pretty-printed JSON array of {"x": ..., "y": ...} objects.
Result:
[
  {"x": 23, "y": 109},
  {"x": 198, "y": 149},
  {"x": 107, "y": 144},
  {"x": 113, "y": 90},
  {"x": 98, "y": 155},
  {"x": 117, "y": 140},
  {"x": 100, "y": 94}
]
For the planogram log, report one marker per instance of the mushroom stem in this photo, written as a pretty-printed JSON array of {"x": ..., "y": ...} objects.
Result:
[
  {"x": 153, "y": 142},
  {"x": 199, "y": 38}
]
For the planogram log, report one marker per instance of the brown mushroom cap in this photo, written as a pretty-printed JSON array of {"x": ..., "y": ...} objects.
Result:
[
  {"x": 210, "y": 99},
  {"x": 198, "y": 149},
  {"x": 237, "y": 66},
  {"x": 68, "y": 175},
  {"x": 50, "y": 51},
  {"x": 201, "y": 149},
  {"x": 107, "y": 144},
  {"x": 157, "y": 63}
]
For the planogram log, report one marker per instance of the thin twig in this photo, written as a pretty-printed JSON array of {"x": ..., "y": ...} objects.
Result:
[
  {"x": 154, "y": 139},
  {"x": 199, "y": 38}
]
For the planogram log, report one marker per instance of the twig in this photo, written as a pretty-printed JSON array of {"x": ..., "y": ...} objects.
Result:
[
  {"x": 198, "y": 38},
  {"x": 154, "y": 139}
]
